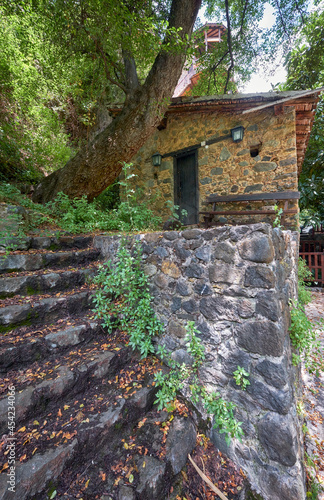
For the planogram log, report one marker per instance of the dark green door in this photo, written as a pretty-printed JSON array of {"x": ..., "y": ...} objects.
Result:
[{"x": 186, "y": 186}]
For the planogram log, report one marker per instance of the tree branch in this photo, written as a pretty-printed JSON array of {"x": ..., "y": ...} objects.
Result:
[
  {"x": 243, "y": 16},
  {"x": 131, "y": 78},
  {"x": 107, "y": 71},
  {"x": 282, "y": 20},
  {"x": 229, "y": 44}
]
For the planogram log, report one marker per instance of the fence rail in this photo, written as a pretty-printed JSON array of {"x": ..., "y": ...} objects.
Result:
[{"x": 315, "y": 262}]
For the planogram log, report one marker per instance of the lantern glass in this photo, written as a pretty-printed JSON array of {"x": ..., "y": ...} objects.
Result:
[
  {"x": 237, "y": 133},
  {"x": 156, "y": 159}
]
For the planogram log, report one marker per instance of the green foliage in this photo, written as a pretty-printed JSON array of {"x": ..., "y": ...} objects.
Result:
[
  {"x": 314, "y": 488},
  {"x": 277, "y": 220},
  {"x": 181, "y": 375},
  {"x": 109, "y": 199},
  {"x": 240, "y": 376},
  {"x": 32, "y": 135},
  {"x": 134, "y": 214},
  {"x": 13, "y": 234},
  {"x": 78, "y": 215},
  {"x": 303, "y": 333},
  {"x": 176, "y": 214},
  {"x": 123, "y": 299},
  {"x": 305, "y": 67},
  {"x": 304, "y": 277},
  {"x": 194, "y": 346},
  {"x": 303, "y": 336}
]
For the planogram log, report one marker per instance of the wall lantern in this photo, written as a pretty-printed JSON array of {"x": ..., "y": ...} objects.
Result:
[
  {"x": 237, "y": 133},
  {"x": 156, "y": 159}
]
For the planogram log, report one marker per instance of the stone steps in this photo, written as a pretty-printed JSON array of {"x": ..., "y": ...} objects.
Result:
[
  {"x": 20, "y": 347},
  {"x": 80, "y": 395},
  {"x": 38, "y": 311},
  {"x": 43, "y": 384},
  {"x": 49, "y": 282},
  {"x": 33, "y": 261},
  {"x": 53, "y": 242},
  {"x": 83, "y": 437}
]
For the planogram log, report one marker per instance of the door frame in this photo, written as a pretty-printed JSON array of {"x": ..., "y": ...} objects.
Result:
[{"x": 193, "y": 151}]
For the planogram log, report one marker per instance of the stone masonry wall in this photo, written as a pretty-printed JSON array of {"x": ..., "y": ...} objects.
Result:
[
  {"x": 225, "y": 167},
  {"x": 235, "y": 284}
]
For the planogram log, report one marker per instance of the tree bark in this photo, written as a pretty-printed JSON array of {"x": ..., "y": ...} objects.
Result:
[{"x": 97, "y": 165}]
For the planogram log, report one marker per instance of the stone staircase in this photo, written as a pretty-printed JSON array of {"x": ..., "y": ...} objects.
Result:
[{"x": 76, "y": 406}]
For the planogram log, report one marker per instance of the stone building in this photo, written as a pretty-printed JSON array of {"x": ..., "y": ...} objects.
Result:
[{"x": 199, "y": 156}]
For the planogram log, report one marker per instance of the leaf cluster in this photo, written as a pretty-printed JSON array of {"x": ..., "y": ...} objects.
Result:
[
  {"x": 303, "y": 333},
  {"x": 181, "y": 375},
  {"x": 123, "y": 300}
]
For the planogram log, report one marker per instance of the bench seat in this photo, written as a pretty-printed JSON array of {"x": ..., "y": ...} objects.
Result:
[{"x": 247, "y": 198}]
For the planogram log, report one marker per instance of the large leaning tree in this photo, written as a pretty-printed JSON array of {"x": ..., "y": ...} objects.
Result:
[
  {"x": 142, "y": 45},
  {"x": 97, "y": 165}
]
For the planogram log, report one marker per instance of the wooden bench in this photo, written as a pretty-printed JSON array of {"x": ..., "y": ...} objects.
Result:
[{"x": 247, "y": 198}]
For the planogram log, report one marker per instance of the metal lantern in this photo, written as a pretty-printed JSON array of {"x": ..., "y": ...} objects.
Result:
[
  {"x": 237, "y": 133},
  {"x": 156, "y": 159}
]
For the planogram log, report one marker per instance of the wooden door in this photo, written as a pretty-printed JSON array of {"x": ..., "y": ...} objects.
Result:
[{"x": 186, "y": 186}]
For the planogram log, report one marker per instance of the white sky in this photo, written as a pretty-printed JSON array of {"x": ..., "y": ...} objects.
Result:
[{"x": 259, "y": 81}]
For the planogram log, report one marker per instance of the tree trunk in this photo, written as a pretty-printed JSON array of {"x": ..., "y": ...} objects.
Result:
[{"x": 97, "y": 165}]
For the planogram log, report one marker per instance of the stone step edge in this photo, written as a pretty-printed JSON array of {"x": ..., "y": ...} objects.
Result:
[
  {"x": 25, "y": 353},
  {"x": 49, "y": 242},
  {"x": 93, "y": 437},
  {"x": 66, "y": 383},
  {"x": 33, "y": 476},
  {"x": 33, "y": 284},
  {"x": 37, "y": 261},
  {"x": 44, "y": 310}
]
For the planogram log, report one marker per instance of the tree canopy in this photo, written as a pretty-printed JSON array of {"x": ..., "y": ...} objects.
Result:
[
  {"x": 65, "y": 60},
  {"x": 305, "y": 67}
]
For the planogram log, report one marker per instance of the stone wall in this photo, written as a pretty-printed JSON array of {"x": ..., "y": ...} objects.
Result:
[
  {"x": 224, "y": 167},
  {"x": 235, "y": 284}
]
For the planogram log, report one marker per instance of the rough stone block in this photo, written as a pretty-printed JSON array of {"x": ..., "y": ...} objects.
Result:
[
  {"x": 171, "y": 235},
  {"x": 150, "y": 270},
  {"x": 224, "y": 154},
  {"x": 278, "y": 437},
  {"x": 161, "y": 281},
  {"x": 170, "y": 269},
  {"x": 224, "y": 273},
  {"x": 216, "y": 171},
  {"x": 203, "y": 253},
  {"x": 180, "y": 442},
  {"x": 161, "y": 252},
  {"x": 203, "y": 289},
  {"x": 254, "y": 187},
  {"x": 183, "y": 288},
  {"x": 259, "y": 277},
  {"x": 194, "y": 271},
  {"x": 265, "y": 166},
  {"x": 270, "y": 398},
  {"x": 224, "y": 251},
  {"x": 151, "y": 484},
  {"x": 218, "y": 308},
  {"x": 181, "y": 252},
  {"x": 268, "y": 305},
  {"x": 258, "y": 248},
  {"x": 190, "y": 306},
  {"x": 176, "y": 329},
  {"x": 260, "y": 337},
  {"x": 273, "y": 373},
  {"x": 192, "y": 234}
]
